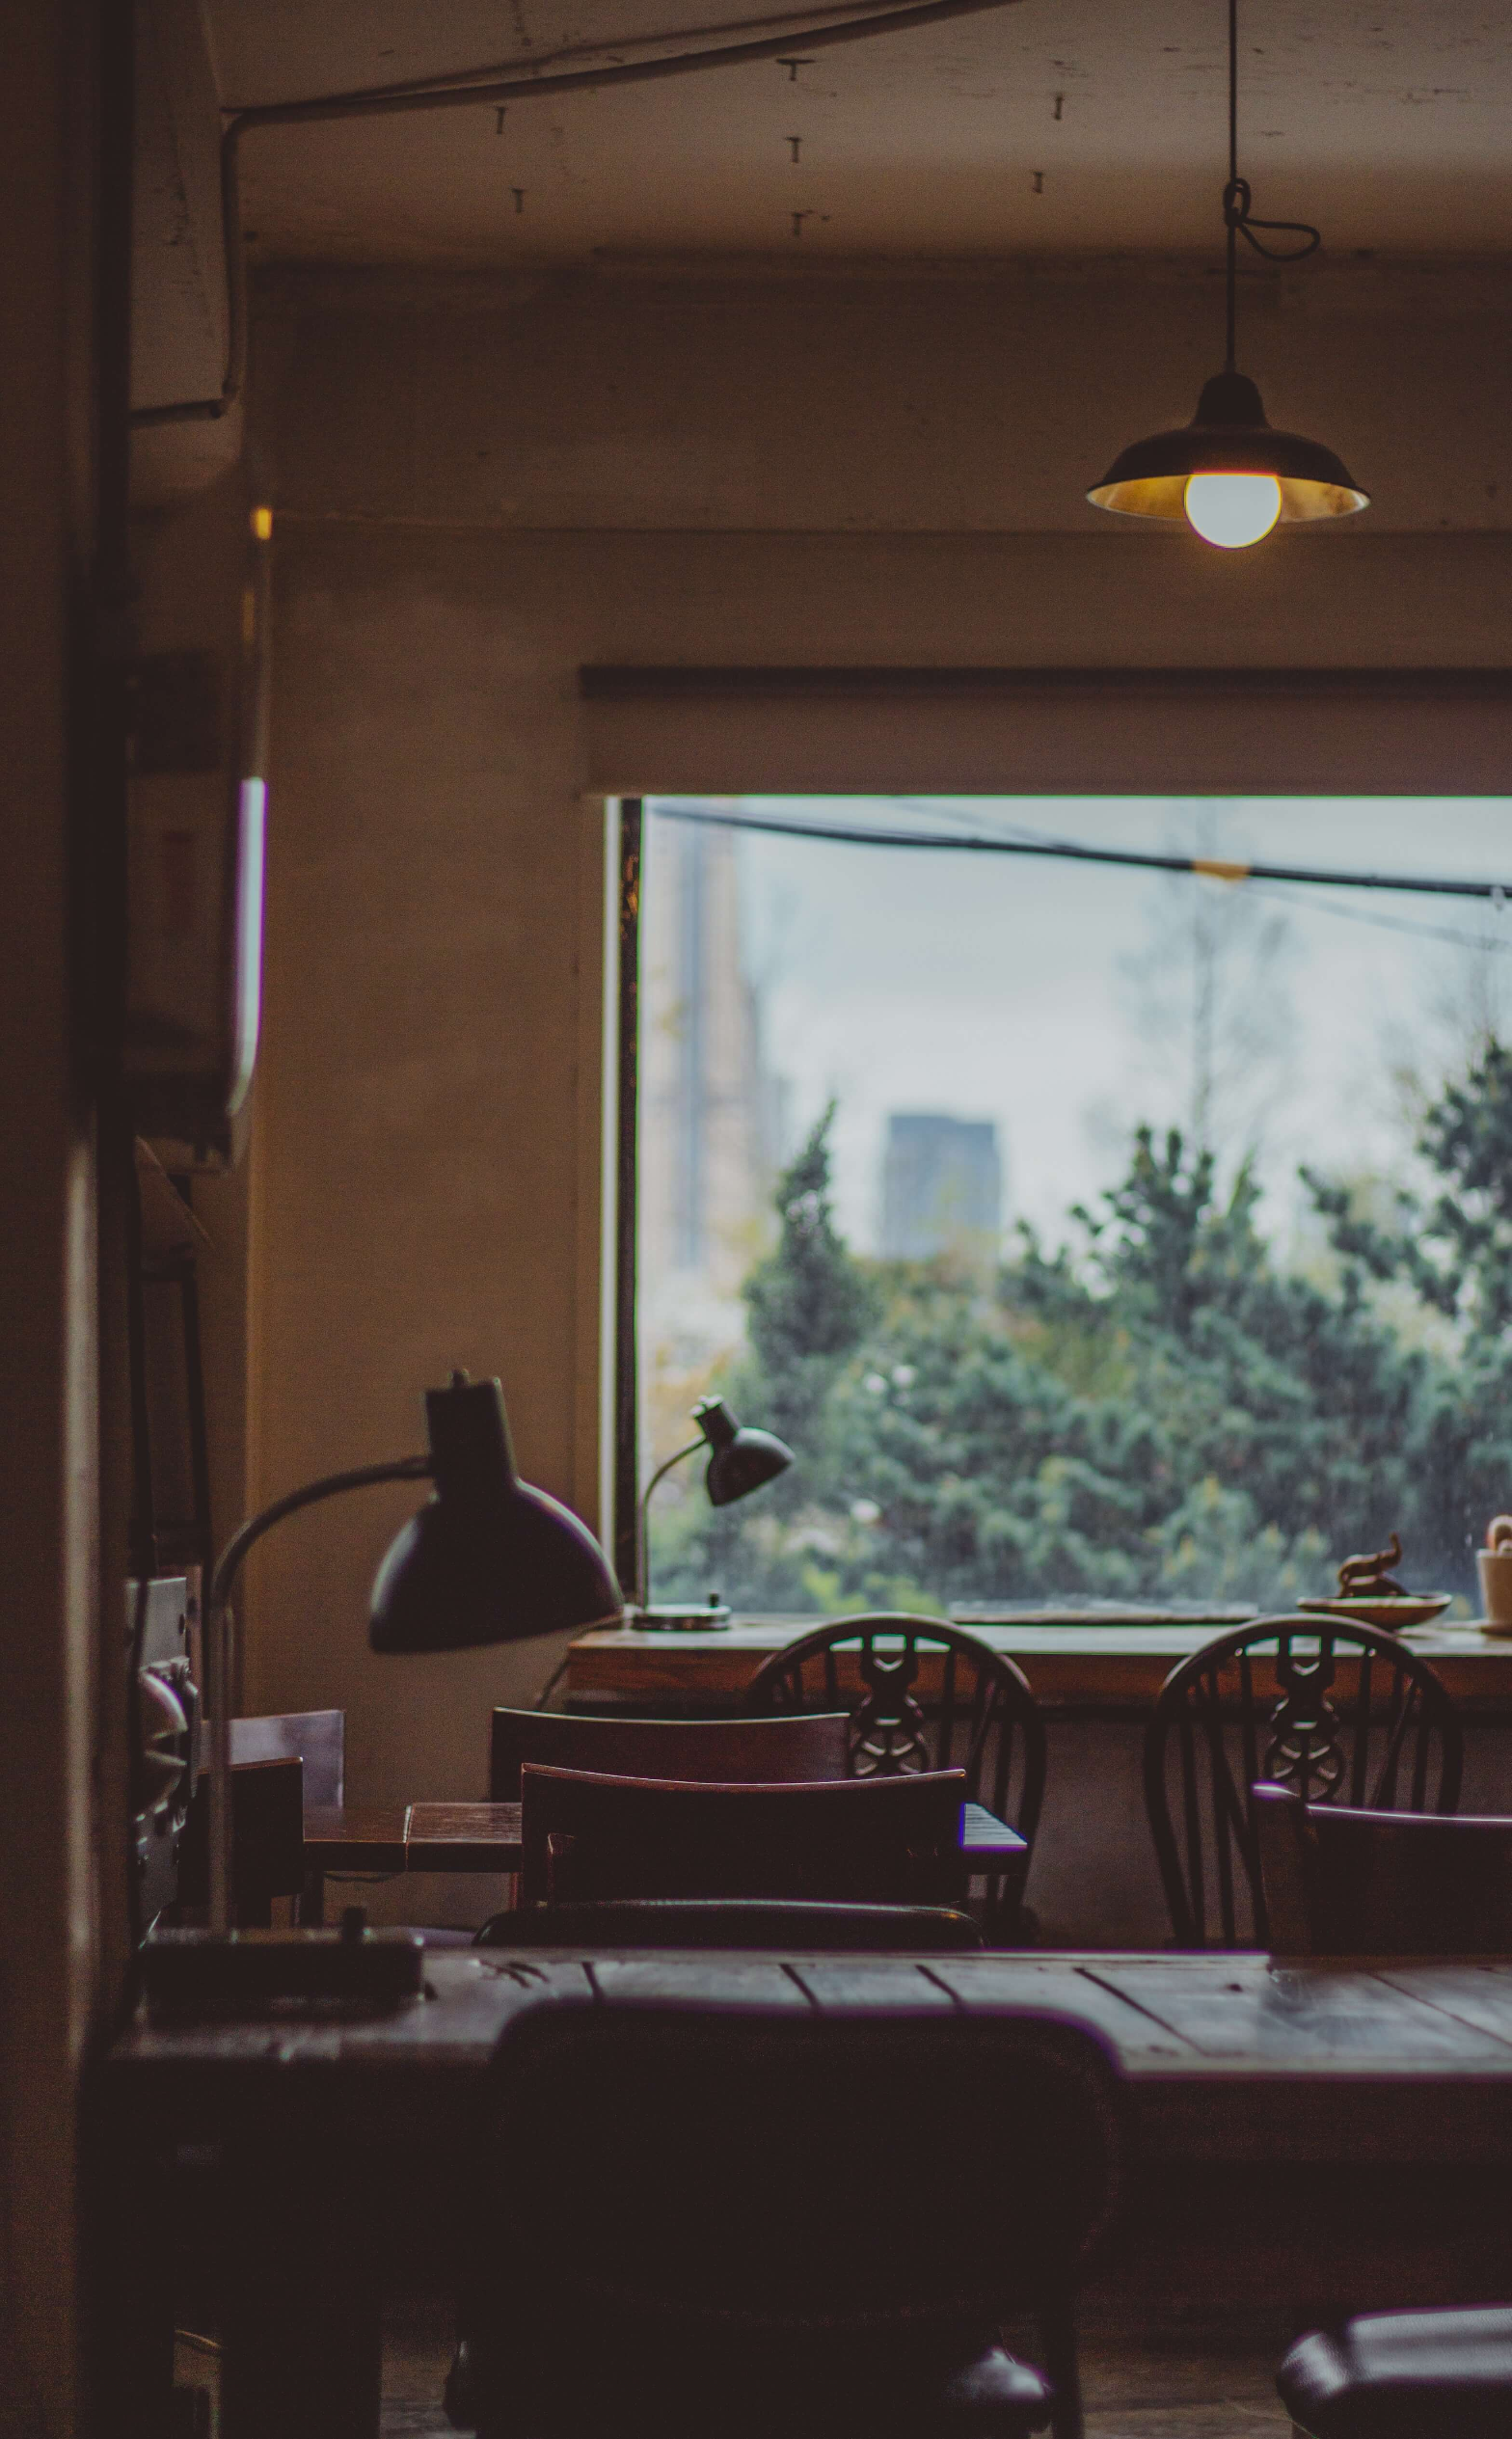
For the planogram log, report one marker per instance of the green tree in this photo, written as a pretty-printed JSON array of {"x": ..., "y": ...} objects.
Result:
[
  {"x": 1454, "y": 1250},
  {"x": 1452, "y": 1247},
  {"x": 810, "y": 1305},
  {"x": 1157, "y": 1409},
  {"x": 810, "y": 1302}
]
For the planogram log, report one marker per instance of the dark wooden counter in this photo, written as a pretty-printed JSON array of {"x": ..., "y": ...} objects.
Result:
[{"x": 1085, "y": 1667}]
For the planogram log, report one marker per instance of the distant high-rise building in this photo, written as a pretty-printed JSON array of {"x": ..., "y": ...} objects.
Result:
[
  {"x": 711, "y": 1107},
  {"x": 942, "y": 1187}
]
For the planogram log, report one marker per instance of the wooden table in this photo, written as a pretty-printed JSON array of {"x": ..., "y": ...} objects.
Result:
[
  {"x": 1324, "y": 2136},
  {"x": 1078, "y": 1668},
  {"x": 485, "y": 1837},
  {"x": 413, "y": 1838}
]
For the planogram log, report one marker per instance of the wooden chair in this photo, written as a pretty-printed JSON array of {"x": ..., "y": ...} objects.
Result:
[
  {"x": 726, "y": 1751},
  {"x": 733, "y": 1922},
  {"x": 1341, "y": 1882},
  {"x": 1330, "y": 1711},
  {"x": 267, "y": 1835},
  {"x": 316, "y": 1738},
  {"x": 924, "y": 1696},
  {"x": 1404, "y": 2375},
  {"x": 319, "y": 1740},
  {"x": 587, "y": 1838},
  {"x": 763, "y": 2219}
]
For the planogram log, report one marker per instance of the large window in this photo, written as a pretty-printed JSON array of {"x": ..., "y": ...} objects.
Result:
[{"x": 1094, "y": 1229}]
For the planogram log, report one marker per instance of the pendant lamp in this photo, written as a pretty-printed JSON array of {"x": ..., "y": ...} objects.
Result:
[{"x": 1227, "y": 474}]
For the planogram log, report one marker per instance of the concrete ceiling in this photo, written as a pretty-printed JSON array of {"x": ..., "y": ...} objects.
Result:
[{"x": 1044, "y": 127}]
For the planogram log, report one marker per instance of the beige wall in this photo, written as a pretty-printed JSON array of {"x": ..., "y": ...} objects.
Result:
[
  {"x": 760, "y": 400},
  {"x": 482, "y": 486}
]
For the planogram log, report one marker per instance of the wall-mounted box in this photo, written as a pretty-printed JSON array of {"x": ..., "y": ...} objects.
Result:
[{"x": 197, "y": 798}]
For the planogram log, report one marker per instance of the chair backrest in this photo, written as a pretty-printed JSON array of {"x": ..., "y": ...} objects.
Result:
[
  {"x": 886, "y": 1841},
  {"x": 1341, "y": 1882},
  {"x": 729, "y": 1752},
  {"x": 1332, "y": 1712},
  {"x": 702, "y": 2174},
  {"x": 316, "y": 1738},
  {"x": 920, "y": 1696},
  {"x": 733, "y": 1922},
  {"x": 267, "y": 1839}
]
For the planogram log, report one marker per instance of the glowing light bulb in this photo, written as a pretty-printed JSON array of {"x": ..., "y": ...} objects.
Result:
[{"x": 1233, "y": 510}]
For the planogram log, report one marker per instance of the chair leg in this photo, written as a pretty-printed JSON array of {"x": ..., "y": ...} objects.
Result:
[
  {"x": 302, "y": 2308},
  {"x": 1058, "y": 2345},
  {"x": 459, "y": 2396}
]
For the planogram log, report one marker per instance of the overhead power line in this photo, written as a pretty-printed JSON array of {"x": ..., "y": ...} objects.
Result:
[
  {"x": 1070, "y": 851},
  {"x": 1482, "y": 942}
]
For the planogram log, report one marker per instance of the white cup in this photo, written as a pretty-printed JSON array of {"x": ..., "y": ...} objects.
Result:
[{"x": 1496, "y": 1589}]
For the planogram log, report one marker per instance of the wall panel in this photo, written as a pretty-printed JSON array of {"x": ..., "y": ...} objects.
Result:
[{"x": 483, "y": 488}]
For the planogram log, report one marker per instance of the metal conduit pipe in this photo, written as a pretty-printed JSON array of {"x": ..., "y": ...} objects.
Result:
[{"x": 390, "y": 102}]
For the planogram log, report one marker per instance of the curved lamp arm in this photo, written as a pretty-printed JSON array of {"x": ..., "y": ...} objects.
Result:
[
  {"x": 217, "y": 1690},
  {"x": 642, "y": 1541}
]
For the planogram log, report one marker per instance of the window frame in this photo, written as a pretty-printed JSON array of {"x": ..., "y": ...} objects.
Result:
[{"x": 1252, "y": 731}]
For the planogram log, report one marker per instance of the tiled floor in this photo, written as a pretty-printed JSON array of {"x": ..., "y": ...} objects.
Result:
[{"x": 1209, "y": 2377}]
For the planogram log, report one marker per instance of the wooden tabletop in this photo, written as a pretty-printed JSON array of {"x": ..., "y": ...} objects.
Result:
[
  {"x": 485, "y": 1837},
  {"x": 1231, "y": 2057},
  {"x": 1326, "y": 2133},
  {"x": 1086, "y": 1664}
]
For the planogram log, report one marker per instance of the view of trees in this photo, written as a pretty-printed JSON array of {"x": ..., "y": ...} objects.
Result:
[{"x": 1157, "y": 1409}]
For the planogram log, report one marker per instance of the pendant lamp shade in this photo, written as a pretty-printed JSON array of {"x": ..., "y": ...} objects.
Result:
[
  {"x": 489, "y": 1558},
  {"x": 1228, "y": 435}
]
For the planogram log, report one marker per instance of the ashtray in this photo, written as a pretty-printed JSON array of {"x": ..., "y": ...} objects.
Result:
[{"x": 1392, "y": 1610}]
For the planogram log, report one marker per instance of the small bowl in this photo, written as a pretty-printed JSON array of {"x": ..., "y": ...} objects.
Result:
[{"x": 1392, "y": 1610}]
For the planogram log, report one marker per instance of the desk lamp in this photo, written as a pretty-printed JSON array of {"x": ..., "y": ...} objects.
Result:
[
  {"x": 740, "y": 1459},
  {"x": 488, "y": 1559}
]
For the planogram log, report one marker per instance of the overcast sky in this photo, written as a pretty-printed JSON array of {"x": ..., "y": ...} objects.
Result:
[{"x": 1061, "y": 1000}]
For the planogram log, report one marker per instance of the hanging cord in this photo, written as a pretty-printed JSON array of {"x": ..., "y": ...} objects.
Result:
[{"x": 1237, "y": 216}]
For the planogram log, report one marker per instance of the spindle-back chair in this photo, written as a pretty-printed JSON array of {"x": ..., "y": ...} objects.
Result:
[
  {"x": 1335, "y": 1712},
  {"x": 922, "y": 1695}
]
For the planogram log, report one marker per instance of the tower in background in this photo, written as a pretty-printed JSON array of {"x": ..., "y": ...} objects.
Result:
[{"x": 710, "y": 1120}]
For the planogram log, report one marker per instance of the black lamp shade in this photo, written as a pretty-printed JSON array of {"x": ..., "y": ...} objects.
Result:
[
  {"x": 489, "y": 1560},
  {"x": 1228, "y": 435},
  {"x": 743, "y": 1458}
]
